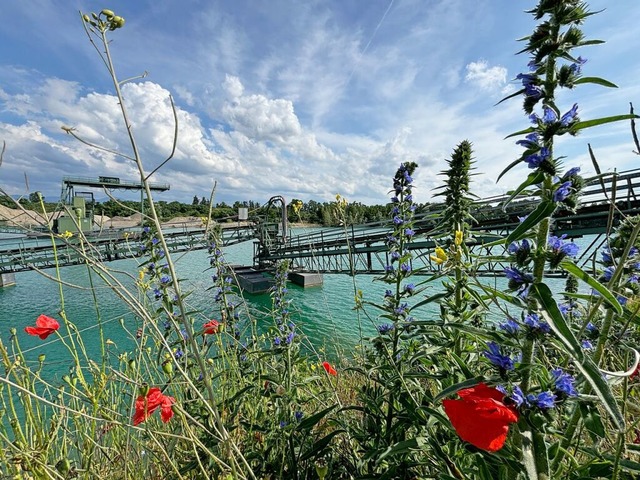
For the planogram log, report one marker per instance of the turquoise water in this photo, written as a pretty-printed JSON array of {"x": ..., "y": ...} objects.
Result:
[{"x": 324, "y": 314}]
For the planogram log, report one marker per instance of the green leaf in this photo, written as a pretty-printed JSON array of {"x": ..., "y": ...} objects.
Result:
[
  {"x": 532, "y": 179},
  {"x": 310, "y": 422},
  {"x": 591, "y": 42},
  {"x": 402, "y": 447},
  {"x": 493, "y": 292},
  {"x": 509, "y": 167},
  {"x": 601, "y": 121},
  {"x": 320, "y": 445},
  {"x": 577, "y": 272},
  {"x": 596, "y": 80},
  {"x": 587, "y": 367},
  {"x": 430, "y": 299},
  {"x": 470, "y": 382},
  {"x": 521, "y": 132},
  {"x": 542, "y": 211},
  {"x": 519, "y": 92},
  {"x": 592, "y": 420}
]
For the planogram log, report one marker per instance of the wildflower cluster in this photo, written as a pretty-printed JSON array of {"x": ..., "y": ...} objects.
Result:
[
  {"x": 620, "y": 262},
  {"x": 399, "y": 268},
  {"x": 223, "y": 285},
  {"x": 285, "y": 329}
]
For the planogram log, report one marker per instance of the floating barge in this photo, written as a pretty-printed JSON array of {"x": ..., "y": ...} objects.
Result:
[{"x": 252, "y": 280}]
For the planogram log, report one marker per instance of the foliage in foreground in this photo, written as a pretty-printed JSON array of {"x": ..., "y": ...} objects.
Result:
[{"x": 548, "y": 391}]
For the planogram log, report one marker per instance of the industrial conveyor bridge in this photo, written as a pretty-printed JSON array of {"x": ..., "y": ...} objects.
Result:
[{"x": 354, "y": 249}]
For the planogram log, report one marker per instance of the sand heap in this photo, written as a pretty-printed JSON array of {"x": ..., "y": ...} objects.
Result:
[
  {"x": 29, "y": 219},
  {"x": 21, "y": 218}
]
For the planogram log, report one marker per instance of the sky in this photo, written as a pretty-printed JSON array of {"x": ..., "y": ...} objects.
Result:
[{"x": 302, "y": 99}]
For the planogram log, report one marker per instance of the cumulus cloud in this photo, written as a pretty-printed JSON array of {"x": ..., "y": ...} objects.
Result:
[{"x": 490, "y": 79}]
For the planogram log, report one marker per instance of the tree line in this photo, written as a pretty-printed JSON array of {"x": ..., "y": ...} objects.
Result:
[{"x": 312, "y": 211}]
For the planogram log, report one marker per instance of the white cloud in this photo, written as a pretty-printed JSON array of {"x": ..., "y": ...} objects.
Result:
[{"x": 487, "y": 78}]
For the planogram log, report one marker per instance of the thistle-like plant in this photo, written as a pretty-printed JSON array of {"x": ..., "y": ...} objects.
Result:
[{"x": 553, "y": 65}]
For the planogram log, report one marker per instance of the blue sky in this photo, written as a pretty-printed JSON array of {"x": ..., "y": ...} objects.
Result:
[{"x": 301, "y": 99}]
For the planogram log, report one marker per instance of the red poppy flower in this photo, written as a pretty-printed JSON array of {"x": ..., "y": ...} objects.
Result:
[
  {"x": 146, "y": 405},
  {"x": 329, "y": 369},
  {"x": 480, "y": 417},
  {"x": 211, "y": 327},
  {"x": 45, "y": 326}
]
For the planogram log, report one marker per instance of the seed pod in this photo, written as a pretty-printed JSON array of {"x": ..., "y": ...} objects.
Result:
[
  {"x": 117, "y": 21},
  {"x": 86, "y": 18},
  {"x": 41, "y": 357},
  {"x": 107, "y": 13}
]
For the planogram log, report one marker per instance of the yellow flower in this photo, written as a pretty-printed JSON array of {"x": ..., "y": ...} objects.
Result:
[
  {"x": 341, "y": 201},
  {"x": 66, "y": 235},
  {"x": 458, "y": 239},
  {"x": 141, "y": 275},
  {"x": 440, "y": 256}
]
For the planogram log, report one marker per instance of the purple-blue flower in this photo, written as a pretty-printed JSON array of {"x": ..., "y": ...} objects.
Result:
[
  {"x": 530, "y": 141},
  {"x": 544, "y": 400},
  {"x": 586, "y": 345},
  {"x": 517, "y": 280},
  {"x": 592, "y": 329},
  {"x": 576, "y": 67},
  {"x": 549, "y": 115},
  {"x": 533, "y": 91},
  {"x": 385, "y": 328},
  {"x": 401, "y": 309},
  {"x": 536, "y": 324},
  {"x": 564, "y": 383},
  {"x": 572, "y": 172},
  {"x": 509, "y": 326},
  {"x": 562, "y": 192},
  {"x": 495, "y": 356},
  {"x": 536, "y": 159},
  {"x": 570, "y": 116},
  {"x": 559, "y": 246}
]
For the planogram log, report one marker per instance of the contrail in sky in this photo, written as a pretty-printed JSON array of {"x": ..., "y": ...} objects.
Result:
[{"x": 366, "y": 47}]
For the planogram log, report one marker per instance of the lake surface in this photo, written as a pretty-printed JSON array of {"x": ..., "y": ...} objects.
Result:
[{"x": 324, "y": 314}]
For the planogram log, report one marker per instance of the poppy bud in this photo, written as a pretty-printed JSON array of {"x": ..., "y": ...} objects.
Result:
[
  {"x": 167, "y": 366},
  {"x": 12, "y": 331},
  {"x": 41, "y": 357},
  {"x": 86, "y": 18},
  {"x": 107, "y": 13},
  {"x": 143, "y": 390},
  {"x": 63, "y": 466},
  {"x": 132, "y": 364}
]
